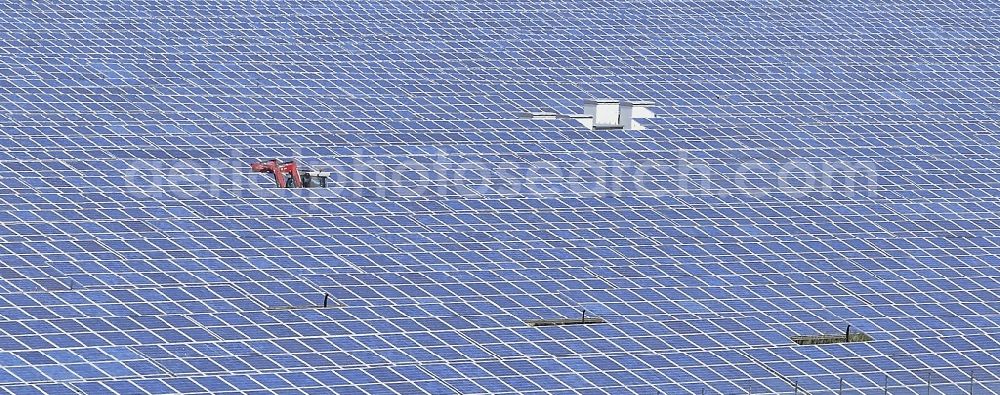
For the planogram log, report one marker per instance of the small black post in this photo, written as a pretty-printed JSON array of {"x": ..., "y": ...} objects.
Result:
[
  {"x": 929, "y": 382},
  {"x": 796, "y": 387},
  {"x": 972, "y": 381},
  {"x": 326, "y": 299},
  {"x": 702, "y": 390},
  {"x": 885, "y": 388},
  {"x": 841, "y": 391},
  {"x": 583, "y": 320},
  {"x": 847, "y": 337}
]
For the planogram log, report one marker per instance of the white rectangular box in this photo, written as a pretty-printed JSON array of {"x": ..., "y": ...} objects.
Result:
[{"x": 606, "y": 112}]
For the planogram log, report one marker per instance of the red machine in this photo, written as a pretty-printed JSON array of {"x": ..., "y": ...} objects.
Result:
[{"x": 287, "y": 175}]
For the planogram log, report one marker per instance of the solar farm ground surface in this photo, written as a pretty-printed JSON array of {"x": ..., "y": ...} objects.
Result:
[{"x": 812, "y": 165}]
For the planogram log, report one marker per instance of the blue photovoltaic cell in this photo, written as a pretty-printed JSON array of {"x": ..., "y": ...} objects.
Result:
[{"x": 810, "y": 165}]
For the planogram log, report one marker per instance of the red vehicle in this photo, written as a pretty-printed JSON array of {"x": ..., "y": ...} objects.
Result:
[{"x": 287, "y": 174}]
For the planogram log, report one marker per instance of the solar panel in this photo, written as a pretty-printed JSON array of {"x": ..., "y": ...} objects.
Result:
[{"x": 804, "y": 166}]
